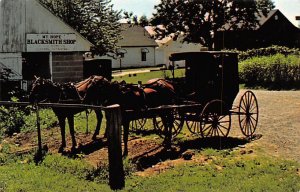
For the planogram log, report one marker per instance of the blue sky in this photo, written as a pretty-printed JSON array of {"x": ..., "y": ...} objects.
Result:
[{"x": 290, "y": 8}]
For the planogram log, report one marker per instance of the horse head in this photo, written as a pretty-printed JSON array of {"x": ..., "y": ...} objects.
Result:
[
  {"x": 96, "y": 90},
  {"x": 43, "y": 89}
]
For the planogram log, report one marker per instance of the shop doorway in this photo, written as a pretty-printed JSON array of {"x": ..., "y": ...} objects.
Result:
[{"x": 35, "y": 64}]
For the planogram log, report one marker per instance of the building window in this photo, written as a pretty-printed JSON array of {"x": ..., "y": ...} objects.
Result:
[
  {"x": 144, "y": 52},
  {"x": 144, "y": 56}
]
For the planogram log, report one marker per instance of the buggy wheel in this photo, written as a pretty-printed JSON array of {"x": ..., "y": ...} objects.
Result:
[
  {"x": 193, "y": 122},
  {"x": 248, "y": 113},
  {"x": 216, "y": 119},
  {"x": 137, "y": 125},
  {"x": 174, "y": 118}
]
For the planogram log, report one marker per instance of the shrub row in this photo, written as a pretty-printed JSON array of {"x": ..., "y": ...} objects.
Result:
[
  {"x": 272, "y": 72},
  {"x": 268, "y": 51}
]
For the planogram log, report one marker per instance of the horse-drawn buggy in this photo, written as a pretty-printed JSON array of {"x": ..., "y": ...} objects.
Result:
[
  {"x": 209, "y": 88},
  {"x": 203, "y": 99}
]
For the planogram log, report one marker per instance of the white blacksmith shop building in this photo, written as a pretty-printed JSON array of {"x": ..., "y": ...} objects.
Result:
[{"x": 33, "y": 41}]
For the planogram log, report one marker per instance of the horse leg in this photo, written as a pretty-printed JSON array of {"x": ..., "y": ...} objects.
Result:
[
  {"x": 167, "y": 131},
  {"x": 125, "y": 136},
  {"x": 72, "y": 132},
  {"x": 98, "y": 126},
  {"x": 62, "y": 125}
]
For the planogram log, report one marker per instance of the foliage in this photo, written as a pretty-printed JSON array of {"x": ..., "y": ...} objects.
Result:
[
  {"x": 95, "y": 19},
  {"x": 199, "y": 20},
  {"x": 135, "y": 20},
  {"x": 266, "y": 51},
  {"x": 273, "y": 72},
  {"x": 47, "y": 120},
  {"x": 12, "y": 118}
]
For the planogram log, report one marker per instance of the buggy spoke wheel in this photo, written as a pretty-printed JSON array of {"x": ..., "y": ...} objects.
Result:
[
  {"x": 137, "y": 125},
  {"x": 193, "y": 123},
  {"x": 174, "y": 118},
  {"x": 216, "y": 119},
  {"x": 248, "y": 113}
]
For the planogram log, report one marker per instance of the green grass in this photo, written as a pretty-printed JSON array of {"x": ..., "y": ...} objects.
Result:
[
  {"x": 49, "y": 120},
  {"x": 29, "y": 177},
  {"x": 225, "y": 173},
  {"x": 222, "y": 170},
  {"x": 144, "y": 77}
]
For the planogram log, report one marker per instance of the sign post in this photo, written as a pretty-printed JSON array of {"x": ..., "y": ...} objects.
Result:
[{"x": 116, "y": 171}]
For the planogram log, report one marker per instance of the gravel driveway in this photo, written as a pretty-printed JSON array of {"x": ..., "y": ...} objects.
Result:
[{"x": 279, "y": 123}]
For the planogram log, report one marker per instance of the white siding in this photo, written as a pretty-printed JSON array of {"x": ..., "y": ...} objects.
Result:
[
  {"x": 12, "y": 61},
  {"x": 21, "y": 17},
  {"x": 133, "y": 58},
  {"x": 165, "y": 51},
  {"x": 12, "y": 22}
]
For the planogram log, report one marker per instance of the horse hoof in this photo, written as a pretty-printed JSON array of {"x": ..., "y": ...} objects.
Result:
[
  {"x": 61, "y": 150},
  {"x": 125, "y": 154},
  {"x": 73, "y": 150}
]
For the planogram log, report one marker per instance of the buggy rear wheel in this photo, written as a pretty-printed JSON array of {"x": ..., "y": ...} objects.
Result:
[
  {"x": 193, "y": 122},
  {"x": 172, "y": 118},
  {"x": 248, "y": 113},
  {"x": 137, "y": 125},
  {"x": 216, "y": 119}
]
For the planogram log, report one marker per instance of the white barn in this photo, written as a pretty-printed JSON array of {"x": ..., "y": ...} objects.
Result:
[
  {"x": 33, "y": 41},
  {"x": 137, "y": 48},
  {"x": 167, "y": 46}
]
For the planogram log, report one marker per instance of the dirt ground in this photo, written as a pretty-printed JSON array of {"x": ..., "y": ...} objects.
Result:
[
  {"x": 279, "y": 123},
  {"x": 277, "y": 134}
]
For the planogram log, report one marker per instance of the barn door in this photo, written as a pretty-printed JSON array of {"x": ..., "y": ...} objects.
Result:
[{"x": 35, "y": 64}]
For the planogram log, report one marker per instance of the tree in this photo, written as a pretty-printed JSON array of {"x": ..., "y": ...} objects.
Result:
[
  {"x": 94, "y": 19},
  {"x": 135, "y": 20},
  {"x": 199, "y": 20},
  {"x": 143, "y": 21}
]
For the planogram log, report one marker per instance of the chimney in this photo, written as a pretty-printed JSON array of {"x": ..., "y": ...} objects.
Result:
[{"x": 298, "y": 19}]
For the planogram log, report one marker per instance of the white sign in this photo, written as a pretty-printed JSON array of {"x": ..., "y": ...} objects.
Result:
[{"x": 50, "y": 42}]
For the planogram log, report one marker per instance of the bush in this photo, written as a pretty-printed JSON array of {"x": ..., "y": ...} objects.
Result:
[
  {"x": 272, "y": 72},
  {"x": 12, "y": 118},
  {"x": 268, "y": 51}
]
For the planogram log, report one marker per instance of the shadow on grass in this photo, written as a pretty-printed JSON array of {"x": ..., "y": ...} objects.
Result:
[
  {"x": 148, "y": 159},
  {"x": 144, "y": 132},
  {"x": 87, "y": 148}
]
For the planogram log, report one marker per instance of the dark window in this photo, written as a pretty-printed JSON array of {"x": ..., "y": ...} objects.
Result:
[{"x": 144, "y": 56}]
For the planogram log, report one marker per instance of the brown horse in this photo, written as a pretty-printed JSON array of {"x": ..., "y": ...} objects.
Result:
[
  {"x": 154, "y": 93},
  {"x": 44, "y": 90}
]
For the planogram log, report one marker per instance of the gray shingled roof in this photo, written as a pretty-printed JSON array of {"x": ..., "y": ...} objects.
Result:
[
  {"x": 135, "y": 36},
  {"x": 261, "y": 19}
]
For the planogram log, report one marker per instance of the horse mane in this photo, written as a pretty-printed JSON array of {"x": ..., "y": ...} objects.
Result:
[
  {"x": 159, "y": 83},
  {"x": 82, "y": 84}
]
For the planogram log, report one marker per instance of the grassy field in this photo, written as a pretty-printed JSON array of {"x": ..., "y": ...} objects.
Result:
[
  {"x": 215, "y": 170},
  {"x": 144, "y": 77}
]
